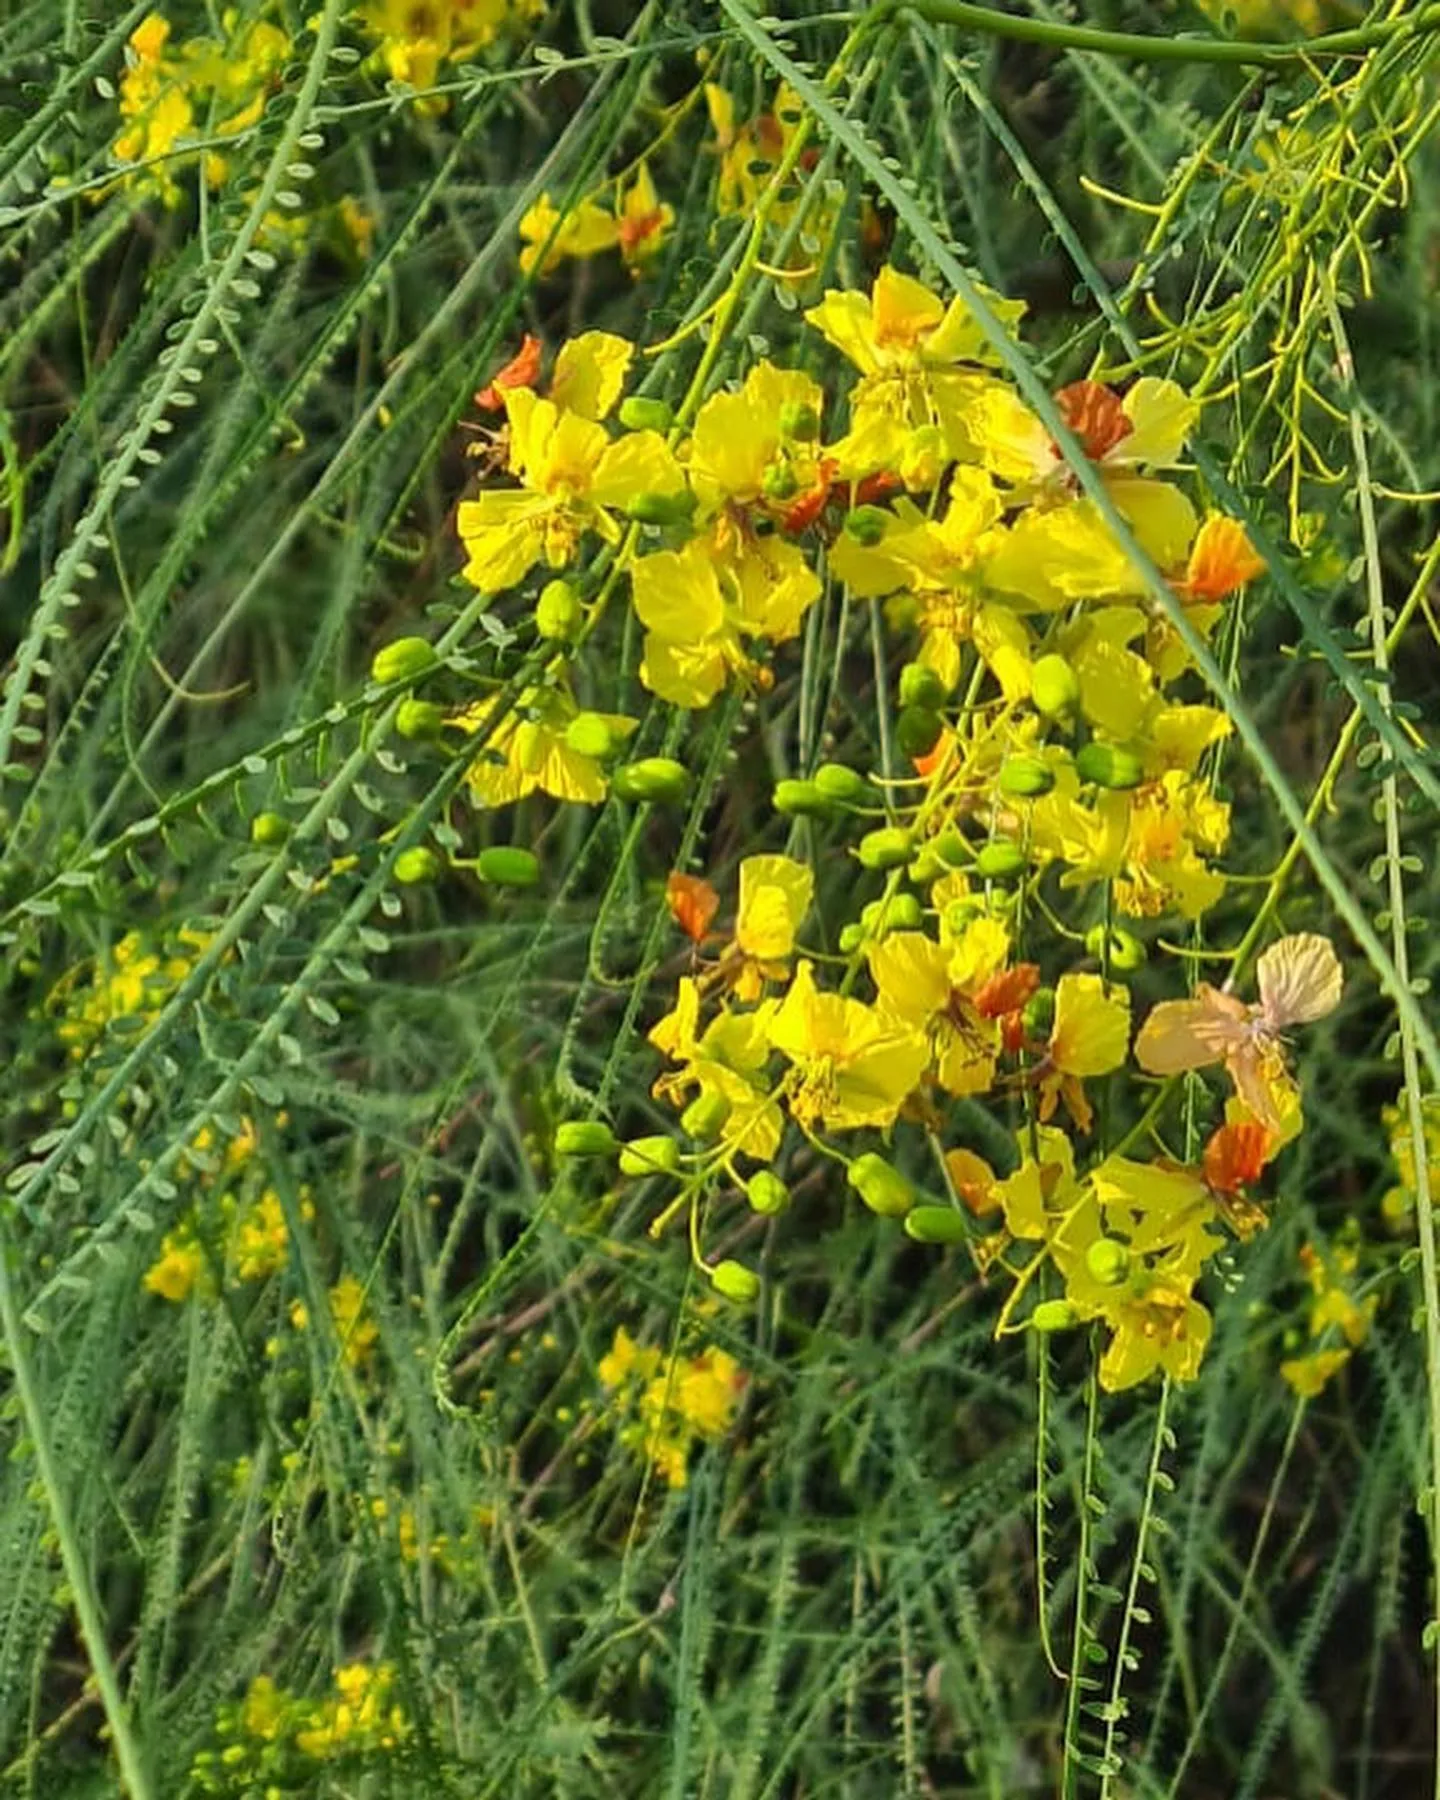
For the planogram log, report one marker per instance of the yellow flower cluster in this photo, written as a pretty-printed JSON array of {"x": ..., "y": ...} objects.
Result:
[
  {"x": 272, "y": 1740},
  {"x": 1339, "y": 1321},
  {"x": 357, "y": 1331},
  {"x": 122, "y": 989},
  {"x": 636, "y": 223},
  {"x": 205, "y": 88},
  {"x": 415, "y": 37},
  {"x": 668, "y": 1404},
  {"x": 1043, "y": 715}
]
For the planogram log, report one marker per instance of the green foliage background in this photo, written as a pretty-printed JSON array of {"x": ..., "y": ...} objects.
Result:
[{"x": 844, "y": 1598}]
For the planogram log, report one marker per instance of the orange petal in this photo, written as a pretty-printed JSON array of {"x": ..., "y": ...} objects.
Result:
[
  {"x": 693, "y": 904},
  {"x": 1236, "y": 1155},
  {"x": 1008, "y": 991},
  {"x": 521, "y": 371},
  {"x": 1095, "y": 414},
  {"x": 1221, "y": 560}
]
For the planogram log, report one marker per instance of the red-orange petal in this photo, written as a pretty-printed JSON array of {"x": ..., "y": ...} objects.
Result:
[
  {"x": 693, "y": 904},
  {"x": 521, "y": 371}
]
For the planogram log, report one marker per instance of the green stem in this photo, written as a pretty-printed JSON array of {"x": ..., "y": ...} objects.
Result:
[{"x": 1157, "y": 49}]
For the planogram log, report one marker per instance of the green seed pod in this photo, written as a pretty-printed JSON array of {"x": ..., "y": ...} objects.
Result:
[
  {"x": 917, "y": 730},
  {"x": 558, "y": 612},
  {"x": 662, "y": 509},
  {"x": 1108, "y": 766},
  {"x": 1026, "y": 777},
  {"x": 801, "y": 799},
  {"x": 842, "y": 784},
  {"x": 269, "y": 829},
  {"x": 1001, "y": 861},
  {"x": 639, "y": 414},
  {"x": 507, "y": 866},
  {"x": 1038, "y": 1017},
  {"x": 657, "y": 1155},
  {"x": 1126, "y": 950},
  {"x": 927, "y": 866},
  {"x": 799, "y": 421},
  {"x": 779, "y": 482},
  {"x": 704, "y": 1118},
  {"x": 921, "y": 686},
  {"x": 417, "y": 865},
  {"x": 1053, "y": 1315},
  {"x": 867, "y": 524},
  {"x": 1108, "y": 1261},
  {"x": 584, "y": 1137},
  {"x": 883, "y": 1189},
  {"x": 401, "y": 661},
  {"x": 1054, "y": 687},
  {"x": 652, "y": 778},
  {"x": 852, "y": 936},
  {"x": 587, "y": 734},
  {"x": 886, "y": 848},
  {"x": 419, "y": 718},
  {"x": 735, "y": 1281},
  {"x": 767, "y": 1193},
  {"x": 935, "y": 1225},
  {"x": 951, "y": 848}
]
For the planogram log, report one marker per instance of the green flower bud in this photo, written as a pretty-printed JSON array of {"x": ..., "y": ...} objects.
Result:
[
  {"x": 558, "y": 612},
  {"x": 1126, "y": 950},
  {"x": 801, "y": 799},
  {"x": 847, "y": 786},
  {"x": 269, "y": 829},
  {"x": 867, "y": 524},
  {"x": 1038, "y": 1017},
  {"x": 1001, "y": 861},
  {"x": 883, "y": 1189},
  {"x": 735, "y": 1281},
  {"x": 767, "y": 1193},
  {"x": 1054, "y": 687},
  {"x": 886, "y": 848},
  {"x": 927, "y": 866},
  {"x": 799, "y": 421},
  {"x": 639, "y": 414},
  {"x": 662, "y": 509},
  {"x": 587, "y": 734},
  {"x": 584, "y": 1137},
  {"x": 961, "y": 913},
  {"x": 704, "y": 1118},
  {"x": 917, "y": 730},
  {"x": 901, "y": 912},
  {"x": 920, "y": 685},
  {"x": 852, "y": 936},
  {"x": 402, "y": 660},
  {"x": 1026, "y": 777},
  {"x": 935, "y": 1225},
  {"x": 1108, "y": 1261},
  {"x": 951, "y": 848},
  {"x": 1053, "y": 1315},
  {"x": 417, "y": 865},
  {"x": 652, "y": 778},
  {"x": 657, "y": 1155},
  {"x": 507, "y": 866},
  {"x": 1108, "y": 766},
  {"x": 779, "y": 482},
  {"x": 419, "y": 718}
]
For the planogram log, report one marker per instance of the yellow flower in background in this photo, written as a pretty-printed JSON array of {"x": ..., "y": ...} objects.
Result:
[
  {"x": 851, "y": 1065},
  {"x": 259, "y": 1241},
  {"x": 642, "y": 222},
  {"x": 357, "y": 1332},
  {"x": 178, "y": 1269},
  {"x": 666, "y": 1405},
  {"x": 129, "y": 984},
  {"x": 528, "y": 751},
  {"x": 416, "y": 36}
]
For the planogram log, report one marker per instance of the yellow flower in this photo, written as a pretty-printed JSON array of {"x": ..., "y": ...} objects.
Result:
[
  {"x": 259, "y": 1242},
  {"x": 416, "y": 36},
  {"x": 573, "y": 478},
  {"x": 528, "y": 752},
  {"x": 179, "y": 1267},
  {"x": 1310, "y": 1375},
  {"x": 1089, "y": 1037},
  {"x": 916, "y": 358},
  {"x": 940, "y": 563},
  {"x": 931, "y": 988},
  {"x": 626, "y": 1360},
  {"x": 739, "y": 442},
  {"x": 643, "y": 221},
  {"x": 550, "y": 235},
  {"x": 852, "y": 1065},
  {"x": 358, "y": 1334},
  {"x": 672, "y": 1403},
  {"x": 775, "y": 895},
  {"x": 726, "y": 1060}
]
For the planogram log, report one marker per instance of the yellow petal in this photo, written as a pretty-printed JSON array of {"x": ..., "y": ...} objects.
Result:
[
  {"x": 775, "y": 895},
  {"x": 590, "y": 373},
  {"x": 1092, "y": 1026}
]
